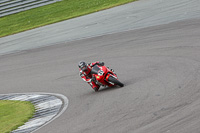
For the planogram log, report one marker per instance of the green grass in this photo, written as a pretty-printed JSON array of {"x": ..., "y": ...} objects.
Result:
[
  {"x": 14, "y": 114},
  {"x": 56, "y": 12}
]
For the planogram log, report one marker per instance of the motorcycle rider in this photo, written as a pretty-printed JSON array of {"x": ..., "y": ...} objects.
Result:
[{"x": 85, "y": 74}]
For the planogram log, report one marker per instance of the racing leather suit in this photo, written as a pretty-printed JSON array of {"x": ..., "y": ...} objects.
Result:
[{"x": 87, "y": 76}]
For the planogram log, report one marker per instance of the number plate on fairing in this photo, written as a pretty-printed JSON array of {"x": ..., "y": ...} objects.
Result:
[{"x": 100, "y": 72}]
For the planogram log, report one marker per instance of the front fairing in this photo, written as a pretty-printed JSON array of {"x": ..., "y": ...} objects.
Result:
[{"x": 99, "y": 73}]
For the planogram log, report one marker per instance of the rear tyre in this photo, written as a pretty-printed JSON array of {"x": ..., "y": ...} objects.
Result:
[{"x": 115, "y": 81}]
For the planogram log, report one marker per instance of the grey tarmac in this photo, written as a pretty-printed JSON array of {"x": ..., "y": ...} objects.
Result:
[{"x": 159, "y": 66}]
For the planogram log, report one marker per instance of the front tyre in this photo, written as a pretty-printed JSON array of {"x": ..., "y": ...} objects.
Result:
[{"x": 115, "y": 81}]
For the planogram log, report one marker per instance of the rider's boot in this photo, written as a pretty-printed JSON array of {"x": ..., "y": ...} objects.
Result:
[{"x": 96, "y": 87}]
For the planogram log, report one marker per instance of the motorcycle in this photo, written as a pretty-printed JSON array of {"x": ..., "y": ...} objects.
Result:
[{"x": 103, "y": 76}]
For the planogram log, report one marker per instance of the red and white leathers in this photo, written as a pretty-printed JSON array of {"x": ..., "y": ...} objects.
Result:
[{"x": 87, "y": 77}]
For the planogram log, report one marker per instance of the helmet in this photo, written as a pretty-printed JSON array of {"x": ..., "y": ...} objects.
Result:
[{"x": 82, "y": 65}]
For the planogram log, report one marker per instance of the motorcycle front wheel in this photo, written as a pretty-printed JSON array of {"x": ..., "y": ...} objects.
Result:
[{"x": 115, "y": 81}]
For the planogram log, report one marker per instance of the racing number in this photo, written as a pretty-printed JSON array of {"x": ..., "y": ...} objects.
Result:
[{"x": 100, "y": 72}]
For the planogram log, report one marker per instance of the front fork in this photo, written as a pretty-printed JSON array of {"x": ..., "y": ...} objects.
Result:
[{"x": 110, "y": 74}]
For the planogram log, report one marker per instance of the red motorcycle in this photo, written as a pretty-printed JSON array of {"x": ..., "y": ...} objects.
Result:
[{"x": 104, "y": 76}]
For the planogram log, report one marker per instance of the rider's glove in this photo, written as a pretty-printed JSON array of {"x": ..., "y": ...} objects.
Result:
[
  {"x": 93, "y": 79},
  {"x": 101, "y": 63}
]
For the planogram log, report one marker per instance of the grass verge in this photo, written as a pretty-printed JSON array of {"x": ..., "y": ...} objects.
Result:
[
  {"x": 59, "y": 11},
  {"x": 14, "y": 114}
]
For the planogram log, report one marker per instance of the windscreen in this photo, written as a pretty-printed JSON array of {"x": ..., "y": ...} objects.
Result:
[{"x": 95, "y": 70}]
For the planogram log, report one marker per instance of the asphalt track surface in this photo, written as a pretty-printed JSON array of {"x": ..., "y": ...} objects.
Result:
[
  {"x": 136, "y": 15},
  {"x": 159, "y": 65}
]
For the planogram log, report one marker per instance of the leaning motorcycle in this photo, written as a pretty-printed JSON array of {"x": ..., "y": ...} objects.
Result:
[{"x": 104, "y": 76}]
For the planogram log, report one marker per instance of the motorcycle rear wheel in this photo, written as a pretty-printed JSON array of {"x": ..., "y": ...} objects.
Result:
[{"x": 115, "y": 81}]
